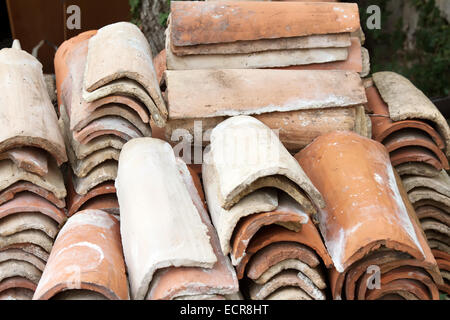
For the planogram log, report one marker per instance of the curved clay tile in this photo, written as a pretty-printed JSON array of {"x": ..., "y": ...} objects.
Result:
[
  {"x": 248, "y": 156},
  {"x": 19, "y": 268},
  {"x": 438, "y": 245},
  {"x": 22, "y": 186},
  {"x": 361, "y": 171},
  {"x": 383, "y": 125},
  {"x": 17, "y": 282},
  {"x": 75, "y": 200},
  {"x": 30, "y": 248},
  {"x": 18, "y": 222},
  {"x": 108, "y": 60},
  {"x": 415, "y": 154},
  {"x": 307, "y": 236},
  {"x": 417, "y": 195},
  {"x": 288, "y": 278},
  {"x": 405, "y": 101},
  {"x": 288, "y": 293},
  {"x": 16, "y": 294},
  {"x": 283, "y": 18},
  {"x": 79, "y": 294},
  {"x": 152, "y": 241},
  {"x": 440, "y": 183},
  {"x": 106, "y": 202},
  {"x": 87, "y": 254},
  {"x": 33, "y": 160},
  {"x": 417, "y": 169},
  {"x": 109, "y": 125},
  {"x": 201, "y": 297},
  {"x": 82, "y": 167},
  {"x": 250, "y": 225},
  {"x": 436, "y": 226},
  {"x": 428, "y": 211},
  {"x": 29, "y": 202},
  {"x": 407, "y": 272},
  {"x": 121, "y": 112},
  {"x": 174, "y": 282},
  {"x": 53, "y": 181},
  {"x": 411, "y": 137},
  {"x": 106, "y": 171},
  {"x": 231, "y": 92},
  {"x": 20, "y": 255},
  {"x": 414, "y": 289},
  {"x": 31, "y": 120},
  {"x": 30, "y": 236}
]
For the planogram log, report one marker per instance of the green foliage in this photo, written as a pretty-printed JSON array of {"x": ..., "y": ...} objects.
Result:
[
  {"x": 162, "y": 19},
  {"x": 426, "y": 65},
  {"x": 135, "y": 7}
]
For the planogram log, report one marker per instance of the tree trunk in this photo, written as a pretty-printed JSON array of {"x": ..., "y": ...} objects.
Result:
[{"x": 153, "y": 30}]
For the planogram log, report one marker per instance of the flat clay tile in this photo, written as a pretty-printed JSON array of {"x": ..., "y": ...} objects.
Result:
[
  {"x": 417, "y": 169},
  {"x": 33, "y": 160},
  {"x": 171, "y": 232},
  {"x": 159, "y": 62},
  {"x": 440, "y": 183},
  {"x": 52, "y": 181},
  {"x": 405, "y": 101},
  {"x": 31, "y": 120},
  {"x": 88, "y": 247},
  {"x": 288, "y": 278},
  {"x": 383, "y": 125},
  {"x": 415, "y": 154},
  {"x": 307, "y": 236},
  {"x": 411, "y": 137},
  {"x": 212, "y": 93},
  {"x": 109, "y": 59},
  {"x": 30, "y": 202},
  {"x": 195, "y": 23},
  {"x": 248, "y": 156},
  {"x": 200, "y": 283},
  {"x": 263, "y": 59},
  {"x": 22, "y": 186},
  {"x": 106, "y": 171},
  {"x": 361, "y": 170}
]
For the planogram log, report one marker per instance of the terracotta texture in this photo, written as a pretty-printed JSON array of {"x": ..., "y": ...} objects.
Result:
[
  {"x": 19, "y": 222},
  {"x": 19, "y": 255},
  {"x": 175, "y": 282},
  {"x": 179, "y": 238},
  {"x": 106, "y": 202},
  {"x": 266, "y": 163},
  {"x": 87, "y": 254},
  {"x": 308, "y": 236},
  {"x": 52, "y": 182},
  {"x": 16, "y": 294},
  {"x": 213, "y": 93},
  {"x": 30, "y": 159},
  {"x": 35, "y": 237},
  {"x": 433, "y": 212},
  {"x": 17, "y": 282},
  {"x": 214, "y": 22},
  {"x": 31, "y": 120},
  {"x": 22, "y": 186},
  {"x": 415, "y": 154},
  {"x": 30, "y": 248},
  {"x": 440, "y": 183},
  {"x": 383, "y": 126},
  {"x": 424, "y": 194},
  {"x": 411, "y": 137},
  {"x": 106, "y": 171},
  {"x": 109, "y": 59},
  {"x": 405, "y": 101},
  {"x": 417, "y": 169}
]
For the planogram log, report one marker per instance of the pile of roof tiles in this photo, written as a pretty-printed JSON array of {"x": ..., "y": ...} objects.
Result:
[
  {"x": 32, "y": 188},
  {"x": 418, "y": 139},
  {"x": 221, "y": 60},
  {"x": 105, "y": 98}
]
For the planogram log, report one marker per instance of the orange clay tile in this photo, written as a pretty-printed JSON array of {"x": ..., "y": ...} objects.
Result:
[
  {"x": 412, "y": 137},
  {"x": 415, "y": 154},
  {"x": 433, "y": 212},
  {"x": 29, "y": 202},
  {"x": 33, "y": 160},
  {"x": 383, "y": 126},
  {"x": 24, "y": 186},
  {"x": 195, "y": 23},
  {"x": 172, "y": 282},
  {"x": 75, "y": 201},
  {"x": 356, "y": 178},
  {"x": 106, "y": 202},
  {"x": 17, "y": 282},
  {"x": 87, "y": 254},
  {"x": 159, "y": 62},
  {"x": 273, "y": 234},
  {"x": 418, "y": 290},
  {"x": 353, "y": 62}
]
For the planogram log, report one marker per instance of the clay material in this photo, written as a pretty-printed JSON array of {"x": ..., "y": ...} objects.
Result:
[
  {"x": 18, "y": 222},
  {"x": 440, "y": 183},
  {"x": 22, "y": 186},
  {"x": 166, "y": 231},
  {"x": 106, "y": 171},
  {"x": 30, "y": 159},
  {"x": 417, "y": 169},
  {"x": 87, "y": 255},
  {"x": 415, "y": 154}
]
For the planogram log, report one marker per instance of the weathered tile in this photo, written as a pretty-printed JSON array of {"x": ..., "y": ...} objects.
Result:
[
  {"x": 33, "y": 160},
  {"x": 22, "y": 186},
  {"x": 106, "y": 171}
]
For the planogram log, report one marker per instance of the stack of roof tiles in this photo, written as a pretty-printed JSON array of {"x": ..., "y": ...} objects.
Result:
[
  {"x": 418, "y": 139},
  {"x": 32, "y": 188},
  {"x": 370, "y": 229},
  {"x": 107, "y": 93},
  {"x": 261, "y": 203},
  {"x": 171, "y": 248},
  {"x": 220, "y": 59}
]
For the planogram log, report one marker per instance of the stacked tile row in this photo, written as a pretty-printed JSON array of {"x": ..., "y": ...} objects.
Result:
[
  {"x": 107, "y": 94},
  {"x": 285, "y": 75},
  {"x": 418, "y": 139},
  {"x": 32, "y": 191}
]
